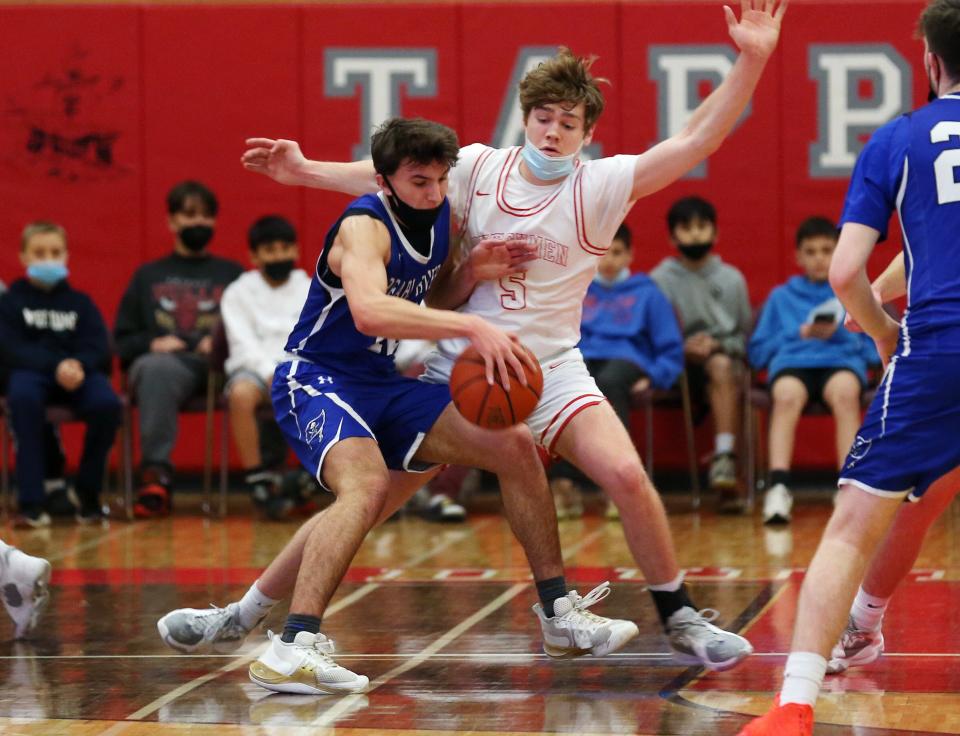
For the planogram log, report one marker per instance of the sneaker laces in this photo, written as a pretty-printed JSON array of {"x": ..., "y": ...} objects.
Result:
[
  {"x": 854, "y": 637},
  {"x": 228, "y": 626},
  {"x": 582, "y": 603},
  {"x": 703, "y": 619}
]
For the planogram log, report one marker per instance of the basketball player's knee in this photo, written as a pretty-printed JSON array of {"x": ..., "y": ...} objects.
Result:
[
  {"x": 515, "y": 448},
  {"x": 628, "y": 481},
  {"x": 366, "y": 492}
]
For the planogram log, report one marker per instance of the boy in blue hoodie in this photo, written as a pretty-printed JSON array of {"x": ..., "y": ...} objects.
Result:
[
  {"x": 810, "y": 356},
  {"x": 630, "y": 339},
  {"x": 54, "y": 343}
]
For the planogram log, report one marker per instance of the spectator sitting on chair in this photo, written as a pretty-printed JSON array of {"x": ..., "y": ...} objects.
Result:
[
  {"x": 54, "y": 343},
  {"x": 163, "y": 334},
  {"x": 630, "y": 340},
  {"x": 259, "y": 310},
  {"x": 810, "y": 356},
  {"x": 711, "y": 299}
]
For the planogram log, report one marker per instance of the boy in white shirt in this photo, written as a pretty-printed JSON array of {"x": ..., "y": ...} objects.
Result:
[{"x": 259, "y": 309}]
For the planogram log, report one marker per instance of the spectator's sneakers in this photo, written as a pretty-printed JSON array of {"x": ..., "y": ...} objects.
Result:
[
  {"x": 574, "y": 631},
  {"x": 777, "y": 503},
  {"x": 792, "y": 719},
  {"x": 302, "y": 488},
  {"x": 612, "y": 513},
  {"x": 31, "y": 517},
  {"x": 153, "y": 497},
  {"x": 857, "y": 647},
  {"x": 91, "y": 513},
  {"x": 696, "y": 641},
  {"x": 213, "y": 629},
  {"x": 59, "y": 500},
  {"x": 24, "y": 584},
  {"x": 566, "y": 499},
  {"x": 440, "y": 507},
  {"x": 723, "y": 471},
  {"x": 304, "y": 666}
]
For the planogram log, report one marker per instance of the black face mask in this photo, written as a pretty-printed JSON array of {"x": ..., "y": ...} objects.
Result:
[
  {"x": 410, "y": 217},
  {"x": 196, "y": 237},
  {"x": 696, "y": 252},
  {"x": 279, "y": 270}
]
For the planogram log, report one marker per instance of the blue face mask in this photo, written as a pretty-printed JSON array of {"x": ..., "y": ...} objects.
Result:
[
  {"x": 47, "y": 272},
  {"x": 548, "y": 168}
]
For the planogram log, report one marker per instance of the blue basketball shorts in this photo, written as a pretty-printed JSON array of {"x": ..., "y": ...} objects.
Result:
[
  {"x": 909, "y": 437},
  {"x": 318, "y": 406}
]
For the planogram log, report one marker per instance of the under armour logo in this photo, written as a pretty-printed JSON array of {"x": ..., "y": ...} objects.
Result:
[
  {"x": 315, "y": 428},
  {"x": 324, "y": 379}
]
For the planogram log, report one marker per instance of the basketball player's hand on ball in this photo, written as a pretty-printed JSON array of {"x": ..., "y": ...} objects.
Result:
[
  {"x": 757, "y": 31},
  {"x": 492, "y": 260},
  {"x": 499, "y": 350},
  {"x": 281, "y": 160}
]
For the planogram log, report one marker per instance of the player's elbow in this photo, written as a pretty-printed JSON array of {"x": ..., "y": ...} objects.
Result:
[
  {"x": 367, "y": 319},
  {"x": 841, "y": 276}
]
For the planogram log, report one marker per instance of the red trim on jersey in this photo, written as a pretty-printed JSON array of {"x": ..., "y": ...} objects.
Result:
[
  {"x": 599, "y": 397},
  {"x": 574, "y": 413},
  {"x": 472, "y": 184},
  {"x": 505, "y": 206},
  {"x": 580, "y": 219}
]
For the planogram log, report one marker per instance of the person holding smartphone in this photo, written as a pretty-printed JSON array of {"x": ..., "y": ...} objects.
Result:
[{"x": 810, "y": 356}]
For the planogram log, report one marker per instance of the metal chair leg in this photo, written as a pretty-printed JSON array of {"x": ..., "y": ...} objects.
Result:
[
  {"x": 691, "y": 445},
  {"x": 208, "y": 447},
  {"x": 127, "y": 450},
  {"x": 4, "y": 468},
  {"x": 224, "y": 460}
]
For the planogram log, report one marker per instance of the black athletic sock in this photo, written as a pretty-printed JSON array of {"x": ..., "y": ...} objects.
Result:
[
  {"x": 779, "y": 476},
  {"x": 668, "y": 602},
  {"x": 549, "y": 590},
  {"x": 297, "y": 622}
]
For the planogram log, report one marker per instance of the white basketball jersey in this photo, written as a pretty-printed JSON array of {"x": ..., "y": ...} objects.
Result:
[{"x": 572, "y": 224}]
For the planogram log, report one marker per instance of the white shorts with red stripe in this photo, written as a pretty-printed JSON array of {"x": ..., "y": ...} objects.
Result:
[{"x": 568, "y": 389}]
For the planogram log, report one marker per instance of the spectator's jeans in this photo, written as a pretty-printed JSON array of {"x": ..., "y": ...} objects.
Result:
[
  {"x": 28, "y": 395},
  {"x": 162, "y": 382}
]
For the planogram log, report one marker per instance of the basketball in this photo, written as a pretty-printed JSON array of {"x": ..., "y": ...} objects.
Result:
[{"x": 491, "y": 406}]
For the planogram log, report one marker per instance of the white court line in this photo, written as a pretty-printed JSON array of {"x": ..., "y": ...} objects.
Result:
[
  {"x": 252, "y": 652},
  {"x": 89, "y": 544},
  {"x": 347, "y": 704}
]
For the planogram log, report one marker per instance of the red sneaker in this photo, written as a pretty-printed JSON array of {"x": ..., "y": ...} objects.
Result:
[
  {"x": 153, "y": 501},
  {"x": 792, "y": 719}
]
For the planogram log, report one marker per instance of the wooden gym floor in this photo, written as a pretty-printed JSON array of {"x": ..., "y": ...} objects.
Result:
[{"x": 439, "y": 618}]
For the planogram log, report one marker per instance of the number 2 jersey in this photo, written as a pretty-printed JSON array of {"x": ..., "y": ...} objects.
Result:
[
  {"x": 572, "y": 224},
  {"x": 912, "y": 165},
  {"x": 326, "y": 332}
]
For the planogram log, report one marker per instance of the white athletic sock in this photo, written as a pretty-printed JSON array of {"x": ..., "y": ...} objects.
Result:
[
  {"x": 254, "y": 606},
  {"x": 671, "y": 587},
  {"x": 868, "y": 610},
  {"x": 723, "y": 443},
  {"x": 802, "y": 678}
]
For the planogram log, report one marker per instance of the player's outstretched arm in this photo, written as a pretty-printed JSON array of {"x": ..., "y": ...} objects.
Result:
[
  {"x": 364, "y": 247},
  {"x": 756, "y": 35},
  {"x": 283, "y": 161}
]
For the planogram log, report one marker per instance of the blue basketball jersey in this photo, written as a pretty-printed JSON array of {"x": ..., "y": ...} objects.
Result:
[
  {"x": 326, "y": 331},
  {"x": 912, "y": 165}
]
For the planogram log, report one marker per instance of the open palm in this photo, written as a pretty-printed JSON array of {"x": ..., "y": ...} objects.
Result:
[{"x": 758, "y": 29}]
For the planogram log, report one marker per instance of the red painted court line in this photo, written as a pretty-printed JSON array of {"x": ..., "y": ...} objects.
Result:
[{"x": 246, "y": 575}]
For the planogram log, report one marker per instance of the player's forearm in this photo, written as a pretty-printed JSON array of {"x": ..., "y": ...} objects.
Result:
[
  {"x": 399, "y": 319},
  {"x": 451, "y": 290},
  {"x": 892, "y": 283},
  {"x": 355, "y": 177},
  {"x": 716, "y": 116},
  {"x": 856, "y": 295}
]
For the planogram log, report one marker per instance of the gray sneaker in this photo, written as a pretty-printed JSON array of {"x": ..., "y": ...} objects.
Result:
[
  {"x": 216, "y": 629},
  {"x": 695, "y": 640},
  {"x": 574, "y": 631},
  {"x": 723, "y": 471}
]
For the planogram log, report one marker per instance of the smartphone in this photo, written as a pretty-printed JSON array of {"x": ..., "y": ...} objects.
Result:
[{"x": 825, "y": 318}]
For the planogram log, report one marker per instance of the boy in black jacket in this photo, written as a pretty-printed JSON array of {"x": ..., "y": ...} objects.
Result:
[
  {"x": 54, "y": 342},
  {"x": 163, "y": 333}
]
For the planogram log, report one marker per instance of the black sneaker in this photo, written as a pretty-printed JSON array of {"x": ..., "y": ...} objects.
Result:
[
  {"x": 91, "y": 514},
  {"x": 263, "y": 486},
  {"x": 31, "y": 517},
  {"x": 60, "y": 500}
]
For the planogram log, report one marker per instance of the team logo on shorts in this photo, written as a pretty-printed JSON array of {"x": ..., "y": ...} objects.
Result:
[
  {"x": 859, "y": 450},
  {"x": 315, "y": 428}
]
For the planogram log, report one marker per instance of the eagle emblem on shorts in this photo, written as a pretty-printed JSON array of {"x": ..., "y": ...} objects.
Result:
[{"x": 314, "y": 430}]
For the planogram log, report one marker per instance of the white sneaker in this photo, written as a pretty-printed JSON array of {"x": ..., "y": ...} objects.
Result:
[
  {"x": 24, "y": 582},
  {"x": 304, "y": 666},
  {"x": 695, "y": 640},
  {"x": 777, "y": 503},
  {"x": 216, "y": 629},
  {"x": 856, "y": 648},
  {"x": 574, "y": 631}
]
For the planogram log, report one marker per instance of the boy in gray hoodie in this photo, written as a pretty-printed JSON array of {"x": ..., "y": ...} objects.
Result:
[{"x": 710, "y": 297}]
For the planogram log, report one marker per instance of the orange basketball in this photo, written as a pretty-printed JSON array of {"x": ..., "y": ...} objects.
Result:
[{"x": 488, "y": 406}]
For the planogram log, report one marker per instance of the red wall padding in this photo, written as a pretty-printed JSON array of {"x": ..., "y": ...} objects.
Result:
[{"x": 170, "y": 92}]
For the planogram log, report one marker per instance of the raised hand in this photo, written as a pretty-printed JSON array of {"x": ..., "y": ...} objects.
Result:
[
  {"x": 281, "y": 160},
  {"x": 758, "y": 29},
  {"x": 491, "y": 260}
]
